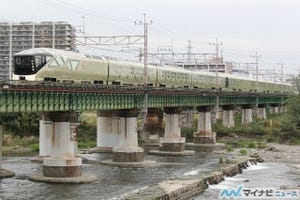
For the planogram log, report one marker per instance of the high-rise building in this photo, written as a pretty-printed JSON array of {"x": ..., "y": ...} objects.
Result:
[{"x": 15, "y": 37}]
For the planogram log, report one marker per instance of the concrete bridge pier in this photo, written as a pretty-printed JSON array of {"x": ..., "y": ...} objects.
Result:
[
  {"x": 128, "y": 150},
  {"x": 3, "y": 172},
  {"x": 63, "y": 162},
  {"x": 108, "y": 131},
  {"x": 261, "y": 111},
  {"x": 204, "y": 134},
  {"x": 246, "y": 114},
  {"x": 273, "y": 108},
  {"x": 172, "y": 140},
  {"x": 284, "y": 108},
  {"x": 187, "y": 117},
  {"x": 152, "y": 129},
  {"x": 228, "y": 118},
  {"x": 172, "y": 143},
  {"x": 45, "y": 135},
  {"x": 127, "y": 153}
]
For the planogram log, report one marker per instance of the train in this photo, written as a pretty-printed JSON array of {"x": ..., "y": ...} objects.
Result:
[{"x": 53, "y": 65}]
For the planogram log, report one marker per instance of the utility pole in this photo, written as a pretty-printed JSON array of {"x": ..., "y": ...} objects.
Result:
[
  {"x": 256, "y": 56},
  {"x": 281, "y": 72},
  {"x": 217, "y": 44},
  {"x": 83, "y": 25},
  {"x": 189, "y": 51},
  {"x": 145, "y": 23}
]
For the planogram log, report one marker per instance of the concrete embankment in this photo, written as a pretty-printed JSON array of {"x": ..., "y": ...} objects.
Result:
[{"x": 189, "y": 186}]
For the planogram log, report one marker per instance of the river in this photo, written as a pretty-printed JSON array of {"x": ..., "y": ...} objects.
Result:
[{"x": 112, "y": 182}]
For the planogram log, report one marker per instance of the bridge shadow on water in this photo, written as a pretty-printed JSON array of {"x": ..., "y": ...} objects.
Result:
[{"x": 111, "y": 181}]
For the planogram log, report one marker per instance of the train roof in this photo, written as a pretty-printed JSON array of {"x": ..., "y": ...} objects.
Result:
[{"x": 48, "y": 51}]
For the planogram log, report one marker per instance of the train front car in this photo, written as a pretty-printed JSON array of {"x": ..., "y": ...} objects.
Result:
[{"x": 28, "y": 63}]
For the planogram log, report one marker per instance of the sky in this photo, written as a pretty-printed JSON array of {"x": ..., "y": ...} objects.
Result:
[{"x": 270, "y": 27}]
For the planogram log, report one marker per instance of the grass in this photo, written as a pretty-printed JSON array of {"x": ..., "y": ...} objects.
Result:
[
  {"x": 86, "y": 144},
  {"x": 34, "y": 147}
]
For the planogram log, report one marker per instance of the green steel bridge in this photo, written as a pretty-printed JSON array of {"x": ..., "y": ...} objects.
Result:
[{"x": 45, "y": 97}]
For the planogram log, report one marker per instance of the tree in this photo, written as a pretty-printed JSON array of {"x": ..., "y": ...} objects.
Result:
[{"x": 21, "y": 124}]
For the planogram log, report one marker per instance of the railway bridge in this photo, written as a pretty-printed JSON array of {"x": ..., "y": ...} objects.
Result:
[{"x": 118, "y": 108}]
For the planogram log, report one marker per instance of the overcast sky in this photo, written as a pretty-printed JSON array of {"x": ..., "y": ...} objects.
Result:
[{"x": 272, "y": 27}]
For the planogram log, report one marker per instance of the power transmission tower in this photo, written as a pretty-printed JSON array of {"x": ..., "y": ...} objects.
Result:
[{"x": 145, "y": 23}]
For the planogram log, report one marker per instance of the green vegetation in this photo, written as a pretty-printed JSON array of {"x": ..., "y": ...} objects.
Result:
[
  {"x": 86, "y": 131},
  {"x": 252, "y": 145},
  {"x": 34, "y": 147},
  {"x": 188, "y": 133},
  {"x": 20, "y": 124},
  {"x": 243, "y": 151},
  {"x": 229, "y": 148},
  {"x": 87, "y": 144}
]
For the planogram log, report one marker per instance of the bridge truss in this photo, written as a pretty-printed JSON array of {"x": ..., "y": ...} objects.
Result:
[{"x": 79, "y": 98}]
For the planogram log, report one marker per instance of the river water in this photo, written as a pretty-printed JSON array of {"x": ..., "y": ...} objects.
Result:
[{"x": 111, "y": 182}]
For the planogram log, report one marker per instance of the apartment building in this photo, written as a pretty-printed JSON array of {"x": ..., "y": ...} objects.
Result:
[{"x": 15, "y": 37}]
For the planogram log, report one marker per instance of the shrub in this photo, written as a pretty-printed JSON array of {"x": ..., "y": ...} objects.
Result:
[
  {"x": 188, "y": 133},
  {"x": 251, "y": 145},
  {"x": 243, "y": 151},
  {"x": 86, "y": 131},
  {"x": 229, "y": 148}
]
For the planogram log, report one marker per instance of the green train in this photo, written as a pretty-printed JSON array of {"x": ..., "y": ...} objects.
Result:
[{"x": 42, "y": 64}]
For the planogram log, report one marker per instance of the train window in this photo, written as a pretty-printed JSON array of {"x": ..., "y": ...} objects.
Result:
[
  {"x": 58, "y": 61},
  {"x": 74, "y": 64},
  {"x": 24, "y": 65},
  {"x": 39, "y": 61},
  {"x": 53, "y": 63}
]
